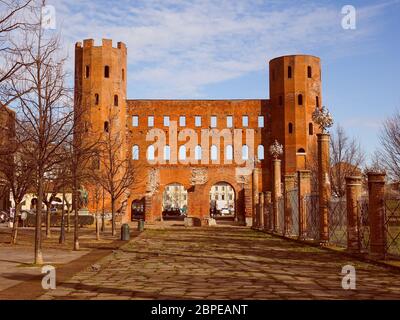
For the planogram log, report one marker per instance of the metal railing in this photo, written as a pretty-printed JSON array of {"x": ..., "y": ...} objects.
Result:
[
  {"x": 392, "y": 226},
  {"x": 311, "y": 205},
  {"x": 293, "y": 199},
  {"x": 363, "y": 224},
  {"x": 338, "y": 222}
]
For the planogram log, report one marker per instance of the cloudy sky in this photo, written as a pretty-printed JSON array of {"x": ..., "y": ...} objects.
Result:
[{"x": 220, "y": 49}]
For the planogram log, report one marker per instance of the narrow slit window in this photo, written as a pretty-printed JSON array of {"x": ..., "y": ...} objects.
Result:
[
  {"x": 116, "y": 100},
  {"x": 106, "y": 71},
  {"x": 310, "y": 129},
  {"x": 87, "y": 72},
  {"x": 96, "y": 99},
  {"x": 309, "y": 72},
  {"x": 106, "y": 126},
  {"x": 290, "y": 128},
  {"x": 300, "y": 99},
  {"x": 289, "y": 72}
]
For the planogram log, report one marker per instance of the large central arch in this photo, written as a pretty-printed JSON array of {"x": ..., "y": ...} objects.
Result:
[
  {"x": 222, "y": 201},
  {"x": 174, "y": 202}
]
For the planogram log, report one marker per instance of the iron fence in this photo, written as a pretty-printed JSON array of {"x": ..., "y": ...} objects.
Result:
[
  {"x": 311, "y": 205},
  {"x": 363, "y": 224},
  {"x": 338, "y": 222},
  {"x": 392, "y": 226},
  {"x": 281, "y": 215},
  {"x": 293, "y": 199}
]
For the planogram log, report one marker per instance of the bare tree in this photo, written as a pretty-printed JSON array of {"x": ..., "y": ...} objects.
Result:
[
  {"x": 116, "y": 173},
  {"x": 347, "y": 158},
  {"x": 44, "y": 110},
  {"x": 11, "y": 20},
  {"x": 390, "y": 146},
  {"x": 16, "y": 169}
]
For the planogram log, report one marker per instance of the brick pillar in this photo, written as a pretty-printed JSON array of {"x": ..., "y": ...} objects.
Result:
[
  {"x": 324, "y": 186},
  {"x": 261, "y": 222},
  {"x": 248, "y": 205},
  {"x": 276, "y": 192},
  {"x": 289, "y": 182},
  {"x": 268, "y": 213},
  {"x": 353, "y": 192},
  {"x": 255, "y": 222},
  {"x": 376, "y": 213},
  {"x": 304, "y": 188},
  {"x": 148, "y": 209}
]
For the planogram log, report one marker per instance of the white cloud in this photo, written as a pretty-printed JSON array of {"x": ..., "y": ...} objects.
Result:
[{"x": 175, "y": 48}]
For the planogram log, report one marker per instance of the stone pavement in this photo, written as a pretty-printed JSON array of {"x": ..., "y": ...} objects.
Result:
[{"x": 224, "y": 263}]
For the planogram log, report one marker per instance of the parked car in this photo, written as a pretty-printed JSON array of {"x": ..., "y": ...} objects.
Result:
[
  {"x": 172, "y": 212},
  {"x": 225, "y": 212},
  {"x": 4, "y": 217}
]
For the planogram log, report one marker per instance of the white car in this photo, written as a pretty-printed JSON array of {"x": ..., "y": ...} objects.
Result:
[{"x": 225, "y": 212}]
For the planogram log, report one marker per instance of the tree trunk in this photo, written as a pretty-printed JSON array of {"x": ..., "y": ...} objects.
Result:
[
  {"x": 76, "y": 222},
  {"x": 113, "y": 216},
  {"x": 48, "y": 220},
  {"x": 62, "y": 231},
  {"x": 15, "y": 224},
  {"x": 68, "y": 218},
  {"x": 97, "y": 219},
  {"x": 103, "y": 223},
  {"x": 38, "y": 227}
]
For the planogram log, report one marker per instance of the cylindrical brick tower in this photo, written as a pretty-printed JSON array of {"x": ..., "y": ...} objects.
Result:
[
  {"x": 100, "y": 91},
  {"x": 295, "y": 92}
]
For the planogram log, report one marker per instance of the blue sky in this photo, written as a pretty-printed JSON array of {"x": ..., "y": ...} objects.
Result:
[{"x": 220, "y": 49}]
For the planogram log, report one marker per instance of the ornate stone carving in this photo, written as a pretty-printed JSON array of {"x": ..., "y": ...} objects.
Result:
[
  {"x": 276, "y": 149},
  {"x": 199, "y": 176},
  {"x": 243, "y": 175},
  {"x": 153, "y": 182},
  {"x": 322, "y": 118}
]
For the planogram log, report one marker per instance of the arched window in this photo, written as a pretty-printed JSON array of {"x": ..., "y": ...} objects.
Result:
[
  {"x": 290, "y": 127},
  {"x": 214, "y": 153},
  {"x": 289, "y": 72},
  {"x": 197, "y": 152},
  {"x": 301, "y": 150},
  {"x": 167, "y": 153},
  {"x": 106, "y": 126},
  {"x": 245, "y": 152},
  {"x": 300, "y": 99},
  {"x": 150, "y": 153},
  {"x": 309, "y": 72},
  {"x": 229, "y": 152},
  {"x": 116, "y": 100},
  {"x": 182, "y": 153},
  {"x": 87, "y": 72},
  {"x": 106, "y": 72},
  {"x": 260, "y": 152},
  {"x": 123, "y": 74},
  {"x": 317, "y": 101},
  {"x": 310, "y": 129},
  {"x": 135, "y": 152},
  {"x": 96, "y": 99}
]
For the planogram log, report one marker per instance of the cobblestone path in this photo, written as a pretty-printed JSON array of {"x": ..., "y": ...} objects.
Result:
[{"x": 224, "y": 263}]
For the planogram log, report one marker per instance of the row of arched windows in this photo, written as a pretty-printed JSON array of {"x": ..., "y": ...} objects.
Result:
[
  {"x": 106, "y": 72},
  {"x": 97, "y": 99},
  {"x": 310, "y": 128},
  {"x": 309, "y": 72},
  {"x": 300, "y": 100},
  {"x": 182, "y": 154}
]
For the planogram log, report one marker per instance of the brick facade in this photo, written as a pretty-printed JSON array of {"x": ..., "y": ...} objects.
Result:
[{"x": 295, "y": 91}]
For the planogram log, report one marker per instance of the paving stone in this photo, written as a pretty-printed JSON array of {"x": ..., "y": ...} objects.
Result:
[{"x": 228, "y": 263}]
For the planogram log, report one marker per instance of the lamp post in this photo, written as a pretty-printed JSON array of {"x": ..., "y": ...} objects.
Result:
[
  {"x": 276, "y": 150},
  {"x": 324, "y": 120}
]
